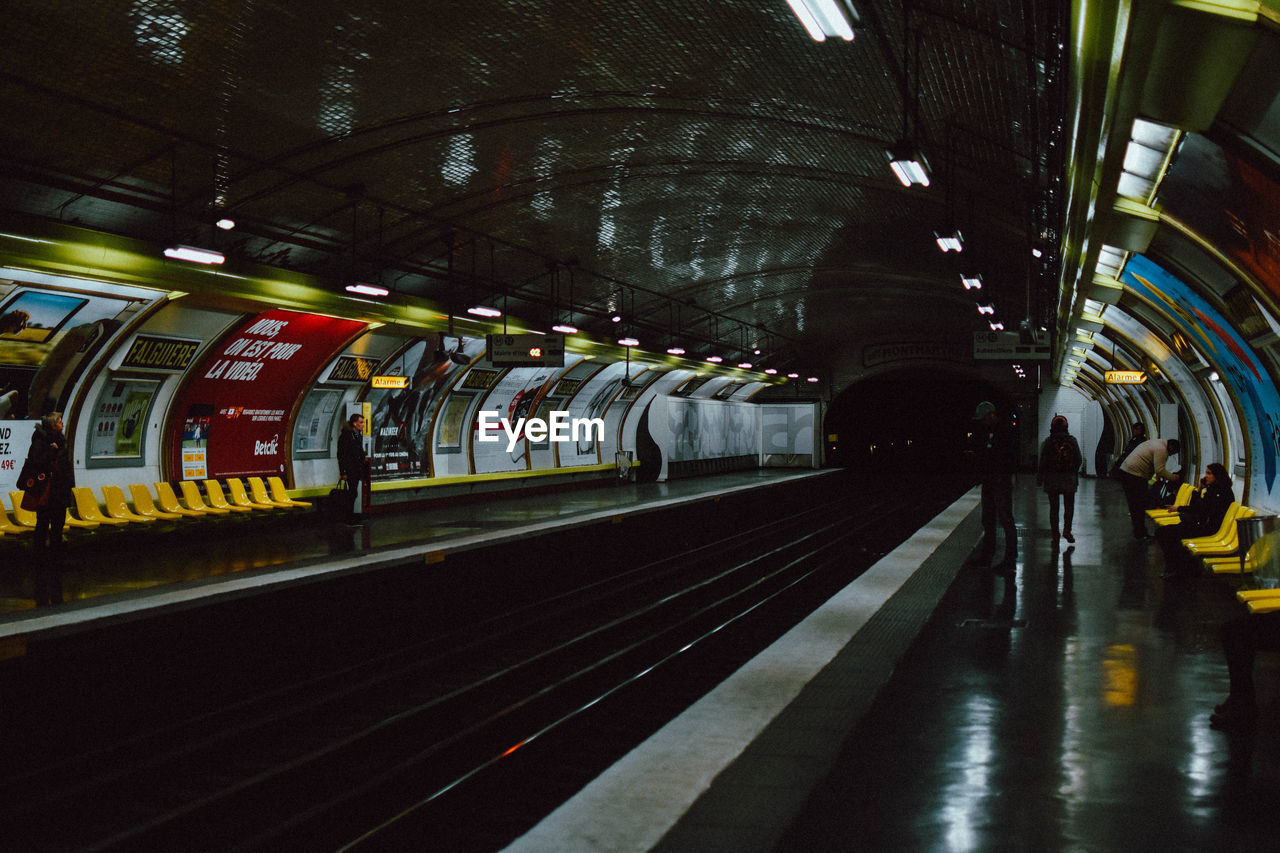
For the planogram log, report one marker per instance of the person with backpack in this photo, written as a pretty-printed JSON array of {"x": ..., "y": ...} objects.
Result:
[{"x": 1058, "y": 472}]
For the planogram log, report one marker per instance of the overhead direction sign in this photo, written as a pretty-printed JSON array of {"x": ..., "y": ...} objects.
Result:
[
  {"x": 526, "y": 350},
  {"x": 1007, "y": 346},
  {"x": 1125, "y": 377},
  {"x": 389, "y": 381}
]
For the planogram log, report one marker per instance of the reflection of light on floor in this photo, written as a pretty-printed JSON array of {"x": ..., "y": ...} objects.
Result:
[
  {"x": 965, "y": 799},
  {"x": 1120, "y": 676}
]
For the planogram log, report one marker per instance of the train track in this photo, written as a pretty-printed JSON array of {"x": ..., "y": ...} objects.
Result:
[{"x": 416, "y": 742}]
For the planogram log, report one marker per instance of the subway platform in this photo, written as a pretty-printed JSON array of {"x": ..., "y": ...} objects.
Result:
[
  {"x": 1063, "y": 708},
  {"x": 110, "y": 576}
]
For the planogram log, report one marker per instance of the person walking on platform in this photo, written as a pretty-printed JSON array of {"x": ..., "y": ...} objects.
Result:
[
  {"x": 1147, "y": 460},
  {"x": 1058, "y": 472},
  {"x": 1202, "y": 516},
  {"x": 351, "y": 462},
  {"x": 48, "y": 462},
  {"x": 996, "y": 457}
]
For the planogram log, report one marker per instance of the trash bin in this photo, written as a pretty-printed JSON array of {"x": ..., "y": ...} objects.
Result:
[{"x": 1259, "y": 535}]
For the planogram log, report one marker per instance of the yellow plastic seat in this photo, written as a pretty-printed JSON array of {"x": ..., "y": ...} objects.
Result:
[
  {"x": 168, "y": 501},
  {"x": 1164, "y": 516},
  {"x": 1260, "y": 600},
  {"x": 194, "y": 500},
  {"x": 88, "y": 509},
  {"x": 280, "y": 495},
  {"x": 117, "y": 507},
  {"x": 144, "y": 505},
  {"x": 1218, "y": 538},
  {"x": 8, "y": 527},
  {"x": 27, "y": 518},
  {"x": 218, "y": 499},
  {"x": 258, "y": 491},
  {"x": 239, "y": 497}
]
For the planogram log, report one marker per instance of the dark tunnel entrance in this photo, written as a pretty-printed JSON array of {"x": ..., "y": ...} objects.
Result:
[{"x": 908, "y": 421}]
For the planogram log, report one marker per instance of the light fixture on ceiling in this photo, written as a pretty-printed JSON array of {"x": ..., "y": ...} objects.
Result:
[
  {"x": 986, "y": 309},
  {"x": 771, "y": 371},
  {"x": 971, "y": 282},
  {"x": 714, "y": 359},
  {"x": 909, "y": 165},
  {"x": 952, "y": 242},
  {"x": 367, "y": 289},
  {"x": 628, "y": 342},
  {"x": 745, "y": 365},
  {"x": 565, "y": 329},
  {"x": 823, "y": 18},
  {"x": 793, "y": 375},
  {"x": 675, "y": 350},
  {"x": 996, "y": 327},
  {"x": 225, "y": 223},
  {"x": 195, "y": 255},
  {"x": 812, "y": 379},
  {"x": 484, "y": 311}
]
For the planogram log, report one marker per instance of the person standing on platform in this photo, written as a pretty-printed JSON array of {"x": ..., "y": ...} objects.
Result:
[
  {"x": 351, "y": 464},
  {"x": 997, "y": 459},
  {"x": 1058, "y": 472},
  {"x": 48, "y": 458},
  {"x": 1137, "y": 435},
  {"x": 1147, "y": 460}
]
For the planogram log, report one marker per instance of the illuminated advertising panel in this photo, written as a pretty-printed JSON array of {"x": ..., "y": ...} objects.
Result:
[
  {"x": 229, "y": 419},
  {"x": 1240, "y": 368}
]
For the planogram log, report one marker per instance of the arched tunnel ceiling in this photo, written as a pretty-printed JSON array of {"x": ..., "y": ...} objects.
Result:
[{"x": 701, "y": 166}]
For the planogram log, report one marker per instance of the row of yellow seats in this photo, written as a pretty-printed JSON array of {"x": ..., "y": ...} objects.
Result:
[{"x": 115, "y": 510}]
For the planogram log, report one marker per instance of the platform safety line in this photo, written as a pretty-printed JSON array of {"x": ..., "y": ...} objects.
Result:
[
  {"x": 163, "y": 599},
  {"x": 634, "y": 803}
]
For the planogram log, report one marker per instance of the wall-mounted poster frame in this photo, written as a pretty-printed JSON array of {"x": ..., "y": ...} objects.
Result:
[
  {"x": 117, "y": 430},
  {"x": 317, "y": 423},
  {"x": 453, "y": 423}
]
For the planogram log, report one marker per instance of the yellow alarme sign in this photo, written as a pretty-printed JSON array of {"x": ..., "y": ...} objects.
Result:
[
  {"x": 389, "y": 381},
  {"x": 1125, "y": 377}
]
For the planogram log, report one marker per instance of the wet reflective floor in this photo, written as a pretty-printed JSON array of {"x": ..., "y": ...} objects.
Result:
[{"x": 1066, "y": 708}]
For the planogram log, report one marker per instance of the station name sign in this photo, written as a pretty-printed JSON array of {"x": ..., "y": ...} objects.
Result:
[
  {"x": 525, "y": 350},
  {"x": 1125, "y": 377},
  {"x": 1007, "y": 346},
  {"x": 150, "y": 352}
]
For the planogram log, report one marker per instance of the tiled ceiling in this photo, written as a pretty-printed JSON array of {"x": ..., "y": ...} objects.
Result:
[{"x": 705, "y": 167}]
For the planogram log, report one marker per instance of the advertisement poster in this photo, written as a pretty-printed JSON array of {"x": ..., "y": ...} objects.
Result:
[
  {"x": 1240, "y": 368},
  {"x": 229, "y": 419}
]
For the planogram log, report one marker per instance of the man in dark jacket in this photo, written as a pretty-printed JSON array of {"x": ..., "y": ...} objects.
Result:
[
  {"x": 997, "y": 459},
  {"x": 351, "y": 461},
  {"x": 48, "y": 458}
]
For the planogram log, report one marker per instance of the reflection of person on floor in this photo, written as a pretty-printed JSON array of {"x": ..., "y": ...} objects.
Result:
[
  {"x": 1242, "y": 638},
  {"x": 1201, "y": 517},
  {"x": 48, "y": 455},
  {"x": 351, "y": 463},
  {"x": 996, "y": 462}
]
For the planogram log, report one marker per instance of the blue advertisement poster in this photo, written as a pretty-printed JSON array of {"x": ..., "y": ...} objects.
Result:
[{"x": 1237, "y": 364}]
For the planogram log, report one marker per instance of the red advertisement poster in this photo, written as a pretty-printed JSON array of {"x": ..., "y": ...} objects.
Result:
[{"x": 230, "y": 418}]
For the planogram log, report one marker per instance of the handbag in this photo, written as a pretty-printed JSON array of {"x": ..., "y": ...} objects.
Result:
[{"x": 35, "y": 492}]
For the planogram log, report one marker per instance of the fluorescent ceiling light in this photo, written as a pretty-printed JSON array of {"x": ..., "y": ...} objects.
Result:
[
  {"x": 195, "y": 255},
  {"x": 822, "y": 18},
  {"x": 225, "y": 224},
  {"x": 996, "y": 327},
  {"x": 367, "y": 289},
  {"x": 628, "y": 342},
  {"x": 953, "y": 242},
  {"x": 565, "y": 329},
  {"x": 971, "y": 282},
  {"x": 986, "y": 309},
  {"x": 714, "y": 359},
  {"x": 771, "y": 371},
  {"x": 793, "y": 375},
  {"x": 484, "y": 311},
  {"x": 675, "y": 350},
  {"x": 909, "y": 166},
  {"x": 812, "y": 379},
  {"x": 745, "y": 365}
]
